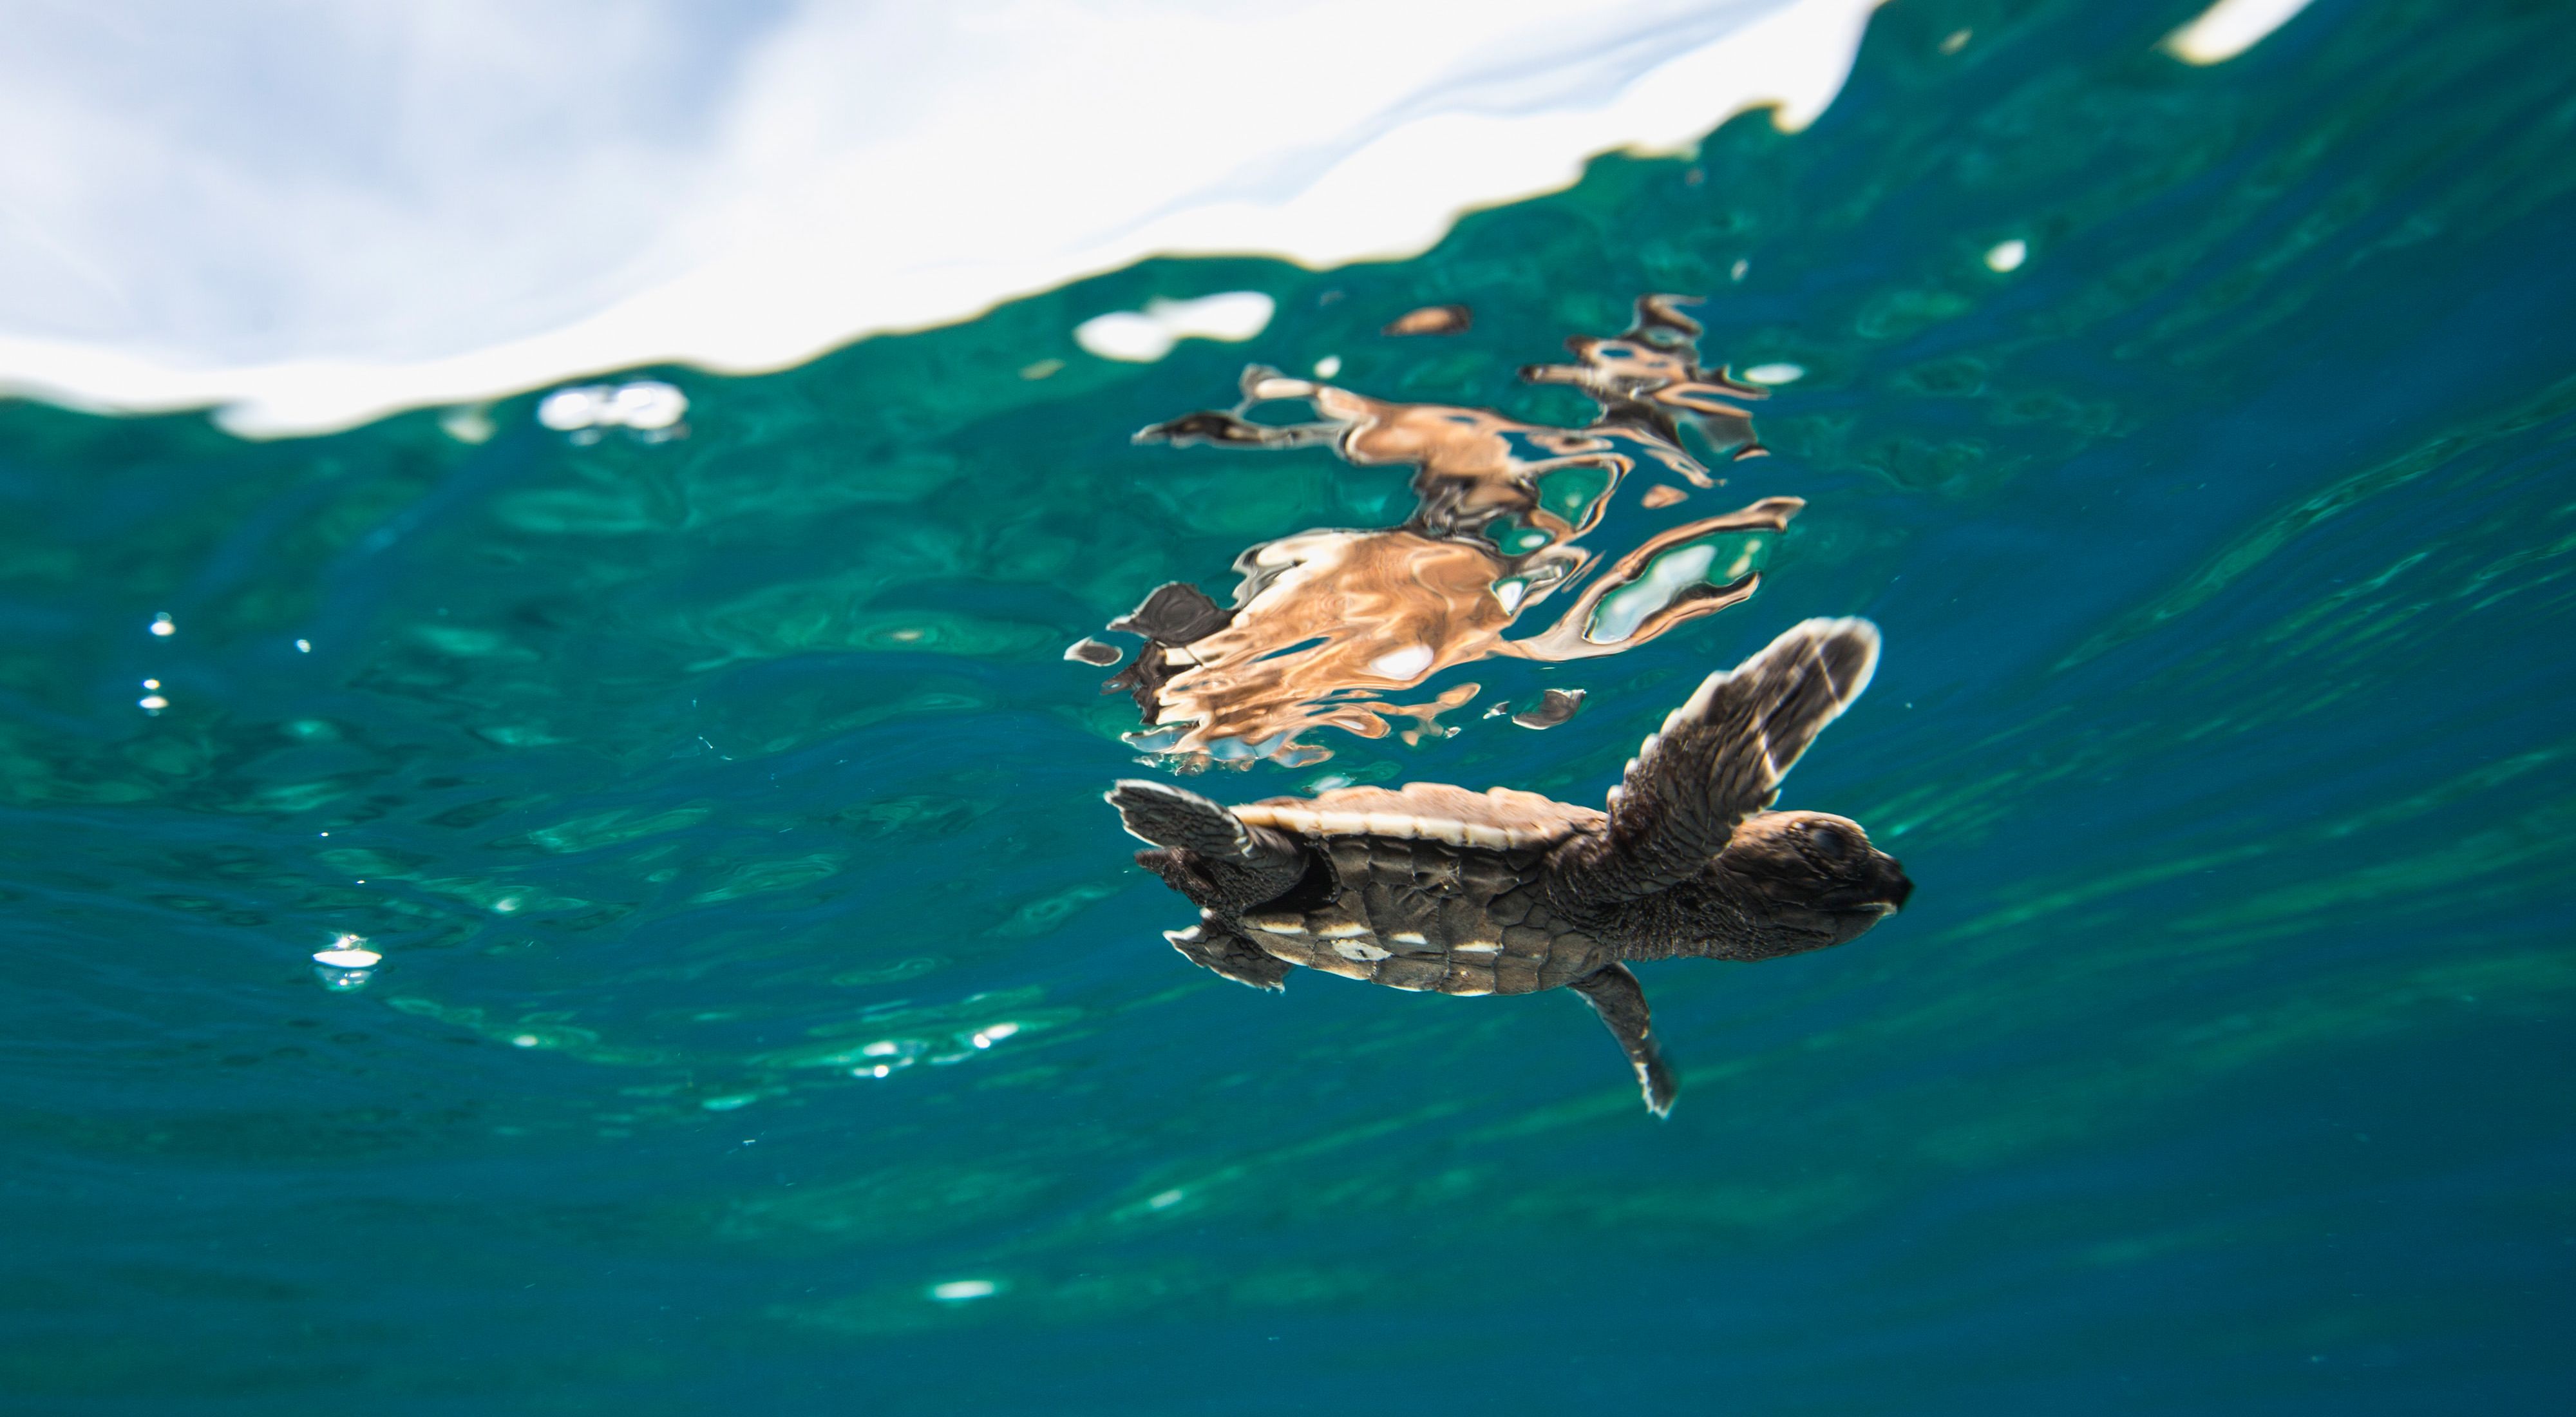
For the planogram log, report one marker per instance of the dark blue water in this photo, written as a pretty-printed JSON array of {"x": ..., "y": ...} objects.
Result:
[{"x": 2221, "y": 1062}]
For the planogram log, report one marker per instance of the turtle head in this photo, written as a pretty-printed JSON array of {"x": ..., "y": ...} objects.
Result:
[{"x": 1815, "y": 873}]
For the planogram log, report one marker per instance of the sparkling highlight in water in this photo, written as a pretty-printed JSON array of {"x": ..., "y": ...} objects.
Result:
[{"x": 347, "y": 965}]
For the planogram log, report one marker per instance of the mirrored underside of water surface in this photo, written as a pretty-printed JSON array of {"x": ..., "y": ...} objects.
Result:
[{"x": 766, "y": 1014}]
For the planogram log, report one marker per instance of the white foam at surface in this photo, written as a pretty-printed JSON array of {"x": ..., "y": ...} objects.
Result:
[
  {"x": 2229, "y": 28},
  {"x": 1143, "y": 336},
  {"x": 648, "y": 404},
  {"x": 424, "y": 204}
]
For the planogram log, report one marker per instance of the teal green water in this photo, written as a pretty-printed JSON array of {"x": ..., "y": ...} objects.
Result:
[{"x": 2221, "y": 1062}]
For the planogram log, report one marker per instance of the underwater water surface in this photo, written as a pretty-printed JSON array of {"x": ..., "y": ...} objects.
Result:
[{"x": 768, "y": 1016}]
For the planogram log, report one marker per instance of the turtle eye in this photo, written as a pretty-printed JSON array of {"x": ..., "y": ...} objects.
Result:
[{"x": 1830, "y": 842}]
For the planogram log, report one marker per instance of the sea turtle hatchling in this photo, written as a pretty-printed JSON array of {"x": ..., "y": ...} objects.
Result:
[{"x": 1438, "y": 888}]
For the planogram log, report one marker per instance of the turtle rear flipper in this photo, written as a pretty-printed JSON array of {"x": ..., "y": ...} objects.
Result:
[
  {"x": 1171, "y": 816},
  {"x": 1227, "y": 860},
  {"x": 1615, "y": 994},
  {"x": 1212, "y": 946},
  {"x": 1719, "y": 758}
]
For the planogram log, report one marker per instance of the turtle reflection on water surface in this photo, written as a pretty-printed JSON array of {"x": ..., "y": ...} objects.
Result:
[
  {"x": 1325, "y": 620},
  {"x": 1502, "y": 892}
]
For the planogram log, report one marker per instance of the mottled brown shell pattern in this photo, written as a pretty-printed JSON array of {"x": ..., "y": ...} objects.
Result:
[{"x": 1423, "y": 914}]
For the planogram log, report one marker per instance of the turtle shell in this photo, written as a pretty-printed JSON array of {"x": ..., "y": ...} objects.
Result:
[
  {"x": 1433, "y": 888},
  {"x": 1497, "y": 819}
]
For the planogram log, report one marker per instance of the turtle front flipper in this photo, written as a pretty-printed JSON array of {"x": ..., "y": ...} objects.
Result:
[
  {"x": 1212, "y": 946},
  {"x": 1719, "y": 758},
  {"x": 1615, "y": 994}
]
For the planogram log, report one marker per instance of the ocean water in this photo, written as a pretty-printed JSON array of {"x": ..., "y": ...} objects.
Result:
[{"x": 2221, "y": 1061}]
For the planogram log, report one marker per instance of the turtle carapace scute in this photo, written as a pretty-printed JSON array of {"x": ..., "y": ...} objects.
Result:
[{"x": 1437, "y": 888}]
